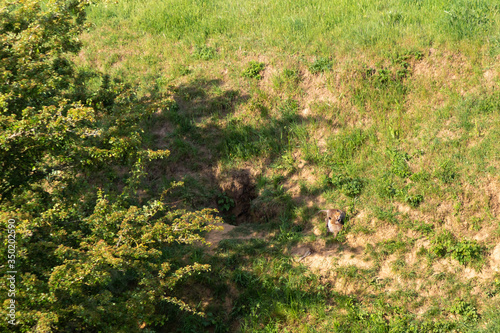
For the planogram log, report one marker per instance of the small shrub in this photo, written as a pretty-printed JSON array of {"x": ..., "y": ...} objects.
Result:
[
  {"x": 320, "y": 65},
  {"x": 253, "y": 70}
]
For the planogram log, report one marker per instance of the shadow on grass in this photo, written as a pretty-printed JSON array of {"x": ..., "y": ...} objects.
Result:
[
  {"x": 201, "y": 130},
  {"x": 251, "y": 283}
]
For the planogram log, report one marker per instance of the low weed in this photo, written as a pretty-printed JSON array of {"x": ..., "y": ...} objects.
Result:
[
  {"x": 442, "y": 242},
  {"x": 388, "y": 215},
  {"x": 182, "y": 70},
  {"x": 320, "y": 65},
  {"x": 420, "y": 176},
  {"x": 204, "y": 52},
  {"x": 289, "y": 232},
  {"x": 287, "y": 80},
  {"x": 399, "y": 163},
  {"x": 464, "y": 251},
  {"x": 391, "y": 246},
  {"x": 475, "y": 223},
  {"x": 446, "y": 172},
  {"x": 288, "y": 110},
  {"x": 224, "y": 202},
  {"x": 414, "y": 200},
  {"x": 465, "y": 309},
  {"x": 350, "y": 186},
  {"x": 467, "y": 251},
  {"x": 492, "y": 288},
  {"x": 424, "y": 228},
  {"x": 253, "y": 70},
  {"x": 386, "y": 187}
]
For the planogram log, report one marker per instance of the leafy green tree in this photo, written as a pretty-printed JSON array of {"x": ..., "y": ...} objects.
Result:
[
  {"x": 37, "y": 119},
  {"x": 90, "y": 256}
]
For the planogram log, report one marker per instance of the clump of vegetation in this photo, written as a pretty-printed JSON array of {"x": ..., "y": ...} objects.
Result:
[
  {"x": 464, "y": 251},
  {"x": 414, "y": 200},
  {"x": 446, "y": 172},
  {"x": 465, "y": 309},
  {"x": 253, "y": 70},
  {"x": 350, "y": 186},
  {"x": 399, "y": 163},
  {"x": 344, "y": 146},
  {"x": 467, "y": 251},
  {"x": 224, "y": 202},
  {"x": 320, "y": 65},
  {"x": 204, "y": 52},
  {"x": 386, "y": 187},
  {"x": 388, "y": 215},
  {"x": 425, "y": 228},
  {"x": 287, "y": 80}
]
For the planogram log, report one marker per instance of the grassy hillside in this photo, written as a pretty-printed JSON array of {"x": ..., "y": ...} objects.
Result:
[{"x": 389, "y": 110}]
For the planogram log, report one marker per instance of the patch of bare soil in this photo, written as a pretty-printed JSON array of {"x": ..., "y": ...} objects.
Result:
[
  {"x": 467, "y": 273},
  {"x": 491, "y": 188},
  {"x": 329, "y": 254},
  {"x": 215, "y": 236},
  {"x": 229, "y": 231},
  {"x": 332, "y": 259},
  {"x": 317, "y": 89},
  {"x": 386, "y": 268},
  {"x": 495, "y": 259},
  {"x": 323, "y": 257},
  {"x": 491, "y": 77}
]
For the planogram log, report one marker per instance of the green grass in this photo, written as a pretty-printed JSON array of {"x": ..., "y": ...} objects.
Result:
[
  {"x": 320, "y": 24},
  {"x": 387, "y": 109}
]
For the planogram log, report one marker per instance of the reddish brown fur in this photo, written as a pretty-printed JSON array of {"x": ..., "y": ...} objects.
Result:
[{"x": 334, "y": 220}]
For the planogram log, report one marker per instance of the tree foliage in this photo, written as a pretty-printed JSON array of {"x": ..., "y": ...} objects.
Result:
[{"x": 90, "y": 257}]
